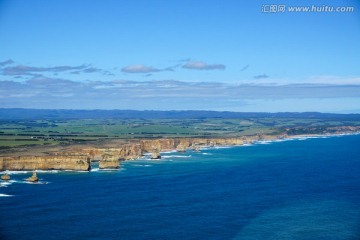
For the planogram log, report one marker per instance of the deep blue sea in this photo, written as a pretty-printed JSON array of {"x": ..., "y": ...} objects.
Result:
[{"x": 298, "y": 189}]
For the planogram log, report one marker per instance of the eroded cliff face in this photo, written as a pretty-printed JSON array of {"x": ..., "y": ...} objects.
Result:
[
  {"x": 109, "y": 162},
  {"x": 158, "y": 145},
  {"x": 182, "y": 144},
  {"x": 130, "y": 151},
  {"x": 55, "y": 162},
  {"x": 109, "y": 158},
  {"x": 124, "y": 151}
]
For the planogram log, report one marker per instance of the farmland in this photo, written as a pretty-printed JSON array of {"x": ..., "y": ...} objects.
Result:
[{"x": 54, "y": 132}]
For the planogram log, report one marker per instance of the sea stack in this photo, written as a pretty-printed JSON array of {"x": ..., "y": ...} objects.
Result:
[
  {"x": 5, "y": 177},
  {"x": 181, "y": 148},
  {"x": 33, "y": 178},
  {"x": 155, "y": 155}
]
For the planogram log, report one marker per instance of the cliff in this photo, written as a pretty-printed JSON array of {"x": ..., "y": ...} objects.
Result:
[
  {"x": 109, "y": 162},
  {"x": 124, "y": 152},
  {"x": 158, "y": 145},
  {"x": 109, "y": 158},
  {"x": 53, "y": 162},
  {"x": 130, "y": 151}
]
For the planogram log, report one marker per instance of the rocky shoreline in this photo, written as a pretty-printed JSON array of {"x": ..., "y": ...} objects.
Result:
[{"x": 79, "y": 159}]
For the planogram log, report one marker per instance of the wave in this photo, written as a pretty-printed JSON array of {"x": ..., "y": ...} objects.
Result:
[
  {"x": 176, "y": 156},
  {"x": 68, "y": 170},
  {"x": 5, "y": 195},
  {"x": 5, "y": 184},
  {"x": 171, "y": 151},
  {"x": 263, "y": 142},
  {"x": 109, "y": 170},
  {"x": 38, "y": 182},
  {"x": 14, "y": 172},
  {"x": 142, "y": 165},
  {"x": 247, "y": 145},
  {"x": 26, "y": 172},
  {"x": 207, "y": 153},
  {"x": 304, "y": 137},
  {"x": 221, "y": 147},
  {"x": 47, "y": 171}
]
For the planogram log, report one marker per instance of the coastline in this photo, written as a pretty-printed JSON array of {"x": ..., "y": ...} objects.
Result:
[{"x": 81, "y": 159}]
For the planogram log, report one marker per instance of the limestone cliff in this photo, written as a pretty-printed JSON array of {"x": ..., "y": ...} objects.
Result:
[
  {"x": 110, "y": 157},
  {"x": 130, "y": 151},
  {"x": 109, "y": 162},
  {"x": 125, "y": 151},
  {"x": 52, "y": 162},
  {"x": 165, "y": 144}
]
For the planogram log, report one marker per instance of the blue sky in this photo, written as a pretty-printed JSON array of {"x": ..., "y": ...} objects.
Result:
[{"x": 205, "y": 55}]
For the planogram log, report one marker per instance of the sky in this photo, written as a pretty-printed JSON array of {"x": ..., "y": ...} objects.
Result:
[{"x": 223, "y": 55}]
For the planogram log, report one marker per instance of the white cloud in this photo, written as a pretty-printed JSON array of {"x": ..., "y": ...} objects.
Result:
[
  {"x": 139, "y": 68},
  {"x": 198, "y": 65},
  {"x": 336, "y": 80}
]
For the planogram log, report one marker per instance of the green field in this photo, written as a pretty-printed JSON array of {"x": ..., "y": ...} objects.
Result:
[{"x": 15, "y": 133}]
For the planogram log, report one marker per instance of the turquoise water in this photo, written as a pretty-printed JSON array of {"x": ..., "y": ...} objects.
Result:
[{"x": 284, "y": 190}]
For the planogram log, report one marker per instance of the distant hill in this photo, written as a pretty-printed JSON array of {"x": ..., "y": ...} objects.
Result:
[{"x": 21, "y": 113}]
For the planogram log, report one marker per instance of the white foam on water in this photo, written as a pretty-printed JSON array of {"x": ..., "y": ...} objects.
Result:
[
  {"x": 109, "y": 170},
  {"x": 38, "y": 182},
  {"x": 5, "y": 184},
  {"x": 14, "y": 172},
  {"x": 82, "y": 171},
  {"x": 176, "y": 156},
  {"x": 247, "y": 145},
  {"x": 150, "y": 159},
  {"x": 47, "y": 171},
  {"x": 283, "y": 140},
  {"x": 221, "y": 147},
  {"x": 263, "y": 142},
  {"x": 25, "y": 172},
  {"x": 207, "y": 153},
  {"x": 94, "y": 170},
  {"x": 142, "y": 165},
  {"x": 302, "y": 138},
  {"x": 172, "y": 151},
  {"x": 5, "y": 195}
]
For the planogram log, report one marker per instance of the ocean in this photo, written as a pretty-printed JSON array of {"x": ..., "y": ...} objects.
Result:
[{"x": 296, "y": 189}]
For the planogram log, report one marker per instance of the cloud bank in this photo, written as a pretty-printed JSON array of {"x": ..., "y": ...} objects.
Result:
[
  {"x": 198, "y": 65},
  {"x": 25, "y": 70},
  {"x": 7, "y": 62},
  {"x": 44, "y": 92},
  {"x": 139, "y": 68},
  {"x": 261, "y": 76}
]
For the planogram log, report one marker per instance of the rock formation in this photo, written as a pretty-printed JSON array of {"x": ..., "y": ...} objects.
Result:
[
  {"x": 79, "y": 159},
  {"x": 5, "y": 177},
  {"x": 130, "y": 151},
  {"x": 159, "y": 144},
  {"x": 180, "y": 148},
  {"x": 155, "y": 155},
  {"x": 109, "y": 162},
  {"x": 33, "y": 178},
  {"x": 49, "y": 162}
]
